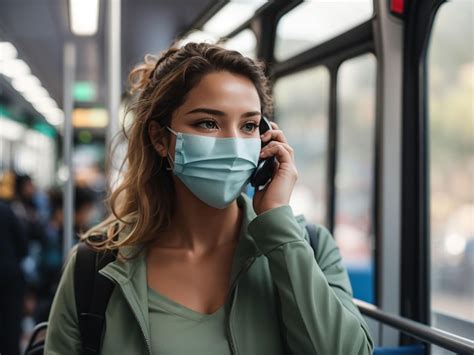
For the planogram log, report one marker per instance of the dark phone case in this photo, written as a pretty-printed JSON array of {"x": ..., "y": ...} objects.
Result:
[{"x": 265, "y": 167}]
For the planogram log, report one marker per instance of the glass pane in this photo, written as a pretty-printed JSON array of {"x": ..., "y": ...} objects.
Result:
[
  {"x": 301, "y": 110},
  {"x": 450, "y": 66},
  {"x": 315, "y": 21},
  {"x": 355, "y": 170},
  {"x": 244, "y": 42},
  {"x": 232, "y": 15},
  {"x": 198, "y": 36}
]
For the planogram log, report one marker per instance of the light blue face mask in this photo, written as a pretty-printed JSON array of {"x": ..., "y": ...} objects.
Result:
[{"x": 216, "y": 170}]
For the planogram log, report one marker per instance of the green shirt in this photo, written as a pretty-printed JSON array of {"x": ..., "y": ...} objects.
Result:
[{"x": 176, "y": 329}]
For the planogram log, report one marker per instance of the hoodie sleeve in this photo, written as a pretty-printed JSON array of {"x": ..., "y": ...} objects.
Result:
[
  {"x": 316, "y": 298},
  {"x": 63, "y": 335}
]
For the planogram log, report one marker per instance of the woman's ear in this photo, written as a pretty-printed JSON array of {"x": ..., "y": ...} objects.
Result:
[{"x": 158, "y": 138}]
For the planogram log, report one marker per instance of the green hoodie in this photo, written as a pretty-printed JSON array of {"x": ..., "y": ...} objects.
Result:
[{"x": 283, "y": 300}]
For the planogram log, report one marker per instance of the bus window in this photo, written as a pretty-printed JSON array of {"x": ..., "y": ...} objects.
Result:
[
  {"x": 450, "y": 69},
  {"x": 244, "y": 42},
  {"x": 314, "y": 22},
  {"x": 354, "y": 185},
  {"x": 301, "y": 110}
]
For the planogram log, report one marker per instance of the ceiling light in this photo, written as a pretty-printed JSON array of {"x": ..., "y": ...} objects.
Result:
[
  {"x": 231, "y": 16},
  {"x": 24, "y": 83},
  {"x": 45, "y": 108},
  {"x": 28, "y": 85},
  {"x": 36, "y": 91},
  {"x": 14, "y": 68},
  {"x": 43, "y": 101},
  {"x": 84, "y": 17},
  {"x": 7, "y": 51},
  {"x": 54, "y": 116}
]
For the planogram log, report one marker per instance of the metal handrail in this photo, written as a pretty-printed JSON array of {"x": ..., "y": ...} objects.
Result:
[{"x": 418, "y": 330}]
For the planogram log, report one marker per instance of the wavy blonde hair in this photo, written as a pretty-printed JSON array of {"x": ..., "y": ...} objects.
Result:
[{"x": 143, "y": 202}]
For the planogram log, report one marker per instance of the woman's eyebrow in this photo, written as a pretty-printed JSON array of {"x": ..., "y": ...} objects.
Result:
[
  {"x": 252, "y": 113},
  {"x": 220, "y": 113}
]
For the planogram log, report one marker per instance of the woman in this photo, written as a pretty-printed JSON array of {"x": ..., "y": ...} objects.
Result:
[{"x": 202, "y": 268}]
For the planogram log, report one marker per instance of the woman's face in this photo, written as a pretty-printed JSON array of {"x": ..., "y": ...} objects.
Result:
[{"x": 221, "y": 105}]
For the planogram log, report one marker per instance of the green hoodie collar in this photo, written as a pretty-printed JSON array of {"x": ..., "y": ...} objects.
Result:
[{"x": 246, "y": 247}]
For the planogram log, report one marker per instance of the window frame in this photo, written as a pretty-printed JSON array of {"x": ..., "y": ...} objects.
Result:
[
  {"x": 415, "y": 239},
  {"x": 328, "y": 130},
  {"x": 346, "y": 38},
  {"x": 331, "y": 54},
  {"x": 416, "y": 287},
  {"x": 375, "y": 166}
]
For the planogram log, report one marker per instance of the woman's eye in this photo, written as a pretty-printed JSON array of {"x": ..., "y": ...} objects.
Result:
[
  {"x": 207, "y": 124},
  {"x": 250, "y": 127}
]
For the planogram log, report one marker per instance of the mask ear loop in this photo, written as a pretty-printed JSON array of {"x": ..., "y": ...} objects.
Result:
[
  {"x": 171, "y": 166},
  {"x": 170, "y": 159}
]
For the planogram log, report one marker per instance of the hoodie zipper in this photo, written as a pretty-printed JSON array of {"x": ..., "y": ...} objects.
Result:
[
  {"x": 147, "y": 341},
  {"x": 142, "y": 331},
  {"x": 246, "y": 266}
]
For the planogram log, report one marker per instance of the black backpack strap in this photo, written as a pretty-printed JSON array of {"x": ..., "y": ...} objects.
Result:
[
  {"x": 92, "y": 291},
  {"x": 313, "y": 236}
]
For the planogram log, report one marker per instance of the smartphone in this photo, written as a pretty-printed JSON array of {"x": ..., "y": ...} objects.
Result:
[{"x": 265, "y": 167}]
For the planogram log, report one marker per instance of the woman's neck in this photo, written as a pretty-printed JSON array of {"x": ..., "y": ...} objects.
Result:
[{"x": 199, "y": 227}]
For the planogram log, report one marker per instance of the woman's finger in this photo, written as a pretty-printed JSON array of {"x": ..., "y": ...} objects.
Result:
[
  {"x": 274, "y": 143},
  {"x": 279, "y": 151},
  {"x": 274, "y": 135},
  {"x": 274, "y": 125}
]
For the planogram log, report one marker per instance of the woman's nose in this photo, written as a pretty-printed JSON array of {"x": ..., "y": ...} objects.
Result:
[{"x": 230, "y": 132}]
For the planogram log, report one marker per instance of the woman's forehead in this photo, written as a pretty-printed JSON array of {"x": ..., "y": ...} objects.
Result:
[{"x": 225, "y": 90}]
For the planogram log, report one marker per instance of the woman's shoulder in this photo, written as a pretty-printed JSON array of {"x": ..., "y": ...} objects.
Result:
[{"x": 320, "y": 239}]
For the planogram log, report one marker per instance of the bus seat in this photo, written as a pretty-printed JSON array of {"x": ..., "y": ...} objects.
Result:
[
  {"x": 362, "y": 283},
  {"x": 416, "y": 349}
]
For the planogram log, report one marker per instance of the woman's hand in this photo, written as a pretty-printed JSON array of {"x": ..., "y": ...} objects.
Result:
[{"x": 278, "y": 191}]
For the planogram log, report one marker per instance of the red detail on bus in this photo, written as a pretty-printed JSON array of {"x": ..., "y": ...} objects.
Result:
[{"x": 397, "y": 6}]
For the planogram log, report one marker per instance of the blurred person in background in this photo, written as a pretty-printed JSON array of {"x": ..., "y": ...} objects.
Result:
[
  {"x": 84, "y": 209},
  {"x": 24, "y": 207},
  {"x": 30, "y": 205},
  {"x": 52, "y": 245},
  {"x": 23, "y": 202},
  {"x": 51, "y": 255},
  {"x": 13, "y": 248}
]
